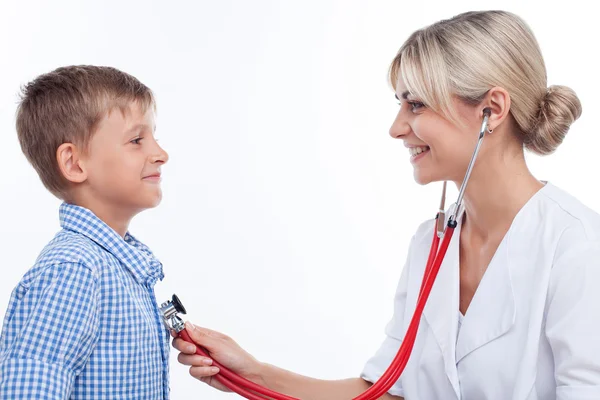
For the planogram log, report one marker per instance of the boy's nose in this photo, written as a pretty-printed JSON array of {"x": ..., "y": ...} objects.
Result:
[{"x": 160, "y": 157}]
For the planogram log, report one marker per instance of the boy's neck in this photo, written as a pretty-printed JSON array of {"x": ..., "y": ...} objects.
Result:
[
  {"x": 111, "y": 217},
  {"x": 116, "y": 217}
]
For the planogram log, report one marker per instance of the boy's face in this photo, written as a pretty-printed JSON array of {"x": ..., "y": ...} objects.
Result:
[{"x": 123, "y": 161}]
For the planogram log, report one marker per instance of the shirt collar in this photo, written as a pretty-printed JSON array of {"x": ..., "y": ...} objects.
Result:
[{"x": 132, "y": 253}]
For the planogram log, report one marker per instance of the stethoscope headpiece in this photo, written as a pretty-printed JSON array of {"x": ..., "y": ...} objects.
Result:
[{"x": 487, "y": 112}]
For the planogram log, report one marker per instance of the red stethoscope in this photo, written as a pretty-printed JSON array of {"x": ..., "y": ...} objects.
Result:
[{"x": 252, "y": 391}]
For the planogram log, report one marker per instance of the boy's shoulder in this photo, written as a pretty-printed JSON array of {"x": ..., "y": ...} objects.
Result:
[
  {"x": 68, "y": 247},
  {"x": 89, "y": 245}
]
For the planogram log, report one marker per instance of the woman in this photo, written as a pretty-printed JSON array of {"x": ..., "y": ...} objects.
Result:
[{"x": 512, "y": 314}]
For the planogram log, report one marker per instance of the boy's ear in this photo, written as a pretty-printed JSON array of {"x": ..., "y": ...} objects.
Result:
[{"x": 70, "y": 163}]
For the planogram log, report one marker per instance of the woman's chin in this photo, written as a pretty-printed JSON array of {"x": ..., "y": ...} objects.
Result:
[
  {"x": 421, "y": 178},
  {"x": 424, "y": 179}
]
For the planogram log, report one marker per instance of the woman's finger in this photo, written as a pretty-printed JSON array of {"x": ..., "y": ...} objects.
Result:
[
  {"x": 202, "y": 372},
  {"x": 184, "y": 346},
  {"x": 206, "y": 338},
  {"x": 194, "y": 360}
]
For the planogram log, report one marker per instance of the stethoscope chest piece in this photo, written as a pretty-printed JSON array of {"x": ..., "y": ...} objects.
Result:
[{"x": 170, "y": 310}]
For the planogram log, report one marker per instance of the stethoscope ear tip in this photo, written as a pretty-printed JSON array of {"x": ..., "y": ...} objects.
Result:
[{"x": 487, "y": 112}]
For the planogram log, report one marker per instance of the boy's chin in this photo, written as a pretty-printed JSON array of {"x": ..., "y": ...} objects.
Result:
[
  {"x": 152, "y": 203},
  {"x": 145, "y": 203}
]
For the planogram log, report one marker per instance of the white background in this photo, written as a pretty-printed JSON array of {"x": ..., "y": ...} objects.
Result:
[{"x": 287, "y": 208}]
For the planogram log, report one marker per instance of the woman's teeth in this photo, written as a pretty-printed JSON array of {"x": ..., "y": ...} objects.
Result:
[{"x": 417, "y": 150}]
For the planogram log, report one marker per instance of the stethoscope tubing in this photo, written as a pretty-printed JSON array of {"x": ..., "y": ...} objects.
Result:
[{"x": 437, "y": 252}]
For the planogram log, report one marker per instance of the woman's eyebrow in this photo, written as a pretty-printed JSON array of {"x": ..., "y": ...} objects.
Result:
[{"x": 404, "y": 95}]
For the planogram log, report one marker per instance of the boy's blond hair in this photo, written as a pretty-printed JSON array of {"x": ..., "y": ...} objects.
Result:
[{"x": 65, "y": 106}]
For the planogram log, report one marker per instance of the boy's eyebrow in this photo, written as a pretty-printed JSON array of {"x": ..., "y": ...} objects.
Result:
[{"x": 139, "y": 127}]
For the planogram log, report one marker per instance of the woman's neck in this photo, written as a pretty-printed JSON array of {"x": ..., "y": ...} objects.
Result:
[{"x": 494, "y": 195}]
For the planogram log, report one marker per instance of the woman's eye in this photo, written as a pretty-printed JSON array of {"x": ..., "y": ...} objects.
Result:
[{"x": 416, "y": 105}]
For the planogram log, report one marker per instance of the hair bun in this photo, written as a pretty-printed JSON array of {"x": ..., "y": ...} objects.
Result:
[{"x": 559, "y": 108}]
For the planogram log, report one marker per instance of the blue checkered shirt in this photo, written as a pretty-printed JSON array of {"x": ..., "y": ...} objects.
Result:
[{"x": 83, "y": 323}]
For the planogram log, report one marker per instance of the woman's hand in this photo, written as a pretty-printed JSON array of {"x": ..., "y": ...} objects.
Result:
[{"x": 221, "y": 348}]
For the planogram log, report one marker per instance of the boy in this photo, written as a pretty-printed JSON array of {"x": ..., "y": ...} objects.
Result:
[{"x": 83, "y": 323}]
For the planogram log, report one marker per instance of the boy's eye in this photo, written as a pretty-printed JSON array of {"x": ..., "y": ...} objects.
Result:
[{"x": 136, "y": 140}]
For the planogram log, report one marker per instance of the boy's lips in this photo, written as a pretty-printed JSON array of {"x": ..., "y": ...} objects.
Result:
[{"x": 152, "y": 177}]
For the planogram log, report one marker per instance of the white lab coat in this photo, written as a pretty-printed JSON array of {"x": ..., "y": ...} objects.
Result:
[{"x": 532, "y": 330}]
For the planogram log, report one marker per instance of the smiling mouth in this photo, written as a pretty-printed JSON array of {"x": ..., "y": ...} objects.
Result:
[{"x": 415, "y": 151}]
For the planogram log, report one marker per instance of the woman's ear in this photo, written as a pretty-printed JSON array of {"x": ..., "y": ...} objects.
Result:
[
  {"x": 70, "y": 163},
  {"x": 497, "y": 100}
]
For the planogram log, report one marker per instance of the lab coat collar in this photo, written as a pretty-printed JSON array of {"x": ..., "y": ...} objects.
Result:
[
  {"x": 441, "y": 310},
  {"x": 490, "y": 314},
  {"x": 492, "y": 310}
]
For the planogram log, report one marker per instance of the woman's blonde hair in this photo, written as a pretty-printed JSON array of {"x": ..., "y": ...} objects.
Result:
[{"x": 469, "y": 54}]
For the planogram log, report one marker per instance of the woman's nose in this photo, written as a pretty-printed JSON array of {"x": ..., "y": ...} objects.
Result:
[{"x": 400, "y": 127}]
